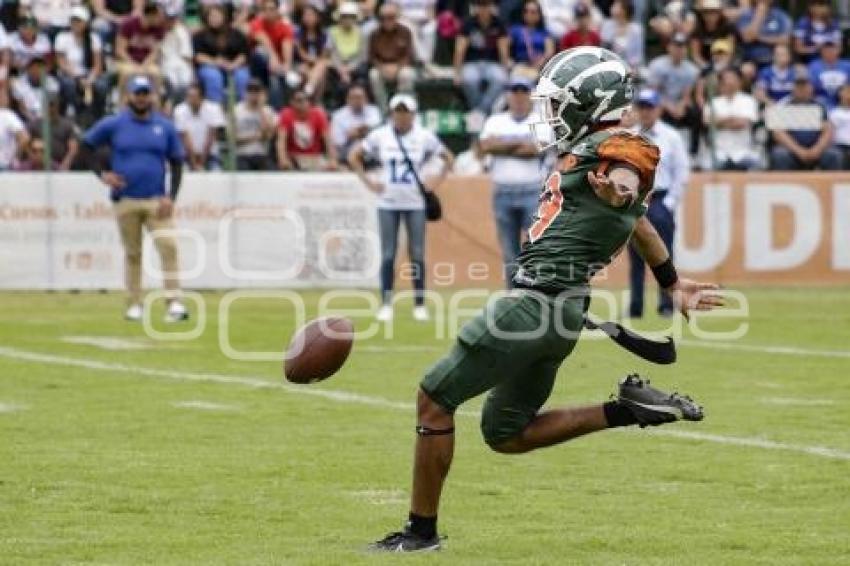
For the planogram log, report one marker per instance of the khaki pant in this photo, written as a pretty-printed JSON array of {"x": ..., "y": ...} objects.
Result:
[{"x": 132, "y": 214}]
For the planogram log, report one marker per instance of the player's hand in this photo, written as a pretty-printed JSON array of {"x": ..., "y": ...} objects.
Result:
[
  {"x": 375, "y": 187},
  {"x": 691, "y": 295},
  {"x": 112, "y": 179},
  {"x": 166, "y": 207},
  {"x": 286, "y": 164},
  {"x": 332, "y": 165}
]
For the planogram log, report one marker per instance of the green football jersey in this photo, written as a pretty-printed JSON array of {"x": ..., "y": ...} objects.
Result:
[{"x": 575, "y": 233}]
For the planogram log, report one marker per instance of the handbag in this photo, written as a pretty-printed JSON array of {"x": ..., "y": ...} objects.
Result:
[{"x": 433, "y": 208}]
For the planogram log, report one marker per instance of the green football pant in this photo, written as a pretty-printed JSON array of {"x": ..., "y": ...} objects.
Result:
[{"x": 513, "y": 349}]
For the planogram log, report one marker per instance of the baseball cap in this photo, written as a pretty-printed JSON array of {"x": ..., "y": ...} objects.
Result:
[
  {"x": 254, "y": 84},
  {"x": 711, "y": 5},
  {"x": 520, "y": 83},
  {"x": 405, "y": 100},
  {"x": 138, "y": 84},
  {"x": 581, "y": 11},
  {"x": 80, "y": 13},
  {"x": 648, "y": 97},
  {"x": 29, "y": 21},
  {"x": 349, "y": 9},
  {"x": 721, "y": 46},
  {"x": 679, "y": 38}
]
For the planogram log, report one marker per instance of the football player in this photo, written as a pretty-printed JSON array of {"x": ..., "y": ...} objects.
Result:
[{"x": 590, "y": 209}]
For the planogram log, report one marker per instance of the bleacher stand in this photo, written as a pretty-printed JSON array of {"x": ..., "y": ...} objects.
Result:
[{"x": 454, "y": 55}]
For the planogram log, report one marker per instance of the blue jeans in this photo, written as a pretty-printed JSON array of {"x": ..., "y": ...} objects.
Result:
[
  {"x": 414, "y": 225},
  {"x": 275, "y": 83},
  {"x": 473, "y": 74},
  {"x": 213, "y": 79},
  {"x": 665, "y": 224},
  {"x": 783, "y": 160},
  {"x": 514, "y": 207}
]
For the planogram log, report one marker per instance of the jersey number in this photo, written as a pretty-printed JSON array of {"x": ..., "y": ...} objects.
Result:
[
  {"x": 400, "y": 172},
  {"x": 550, "y": 206}
]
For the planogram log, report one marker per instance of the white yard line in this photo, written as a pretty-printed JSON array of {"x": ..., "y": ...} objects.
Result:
[
  {"x": 346, "y": 397},
  {"x": 786, "y": 350},
  {"x": 797, "y": 402},
  {"x": 108, "y": 342},
  {"x": 10, "y": 408},
  {"x": 205, "y": 406}
]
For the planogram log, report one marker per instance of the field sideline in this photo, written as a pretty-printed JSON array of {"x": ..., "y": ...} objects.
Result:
[{"x": 117, "y": 449}]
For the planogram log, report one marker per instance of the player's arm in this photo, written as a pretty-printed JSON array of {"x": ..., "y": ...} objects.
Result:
[{"x": 687, "y": 295}]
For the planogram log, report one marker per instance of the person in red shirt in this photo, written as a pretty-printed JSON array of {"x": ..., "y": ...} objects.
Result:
[
  {"x": 583, "y": 33},
  {"x": 271, "y": 58},
  {"x": 304, "y": 137},
  {"x": 137, "y": 47}
]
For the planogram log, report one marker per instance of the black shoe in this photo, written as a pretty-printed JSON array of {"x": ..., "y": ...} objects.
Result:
[
  {"x": 652, "y": 407},
  {"x": 405, "y": 541}
]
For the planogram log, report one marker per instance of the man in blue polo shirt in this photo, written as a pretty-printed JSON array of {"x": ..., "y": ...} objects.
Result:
[
  {"x": 142, "y": 140},
  {"x": 829, "y": 73},
  {"x": 761, "y": 28}
]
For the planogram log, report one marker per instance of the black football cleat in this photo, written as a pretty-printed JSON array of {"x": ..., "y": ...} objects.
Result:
[
  {"x": 406, "y": 541},
  {"x": 653, "y": 407}
]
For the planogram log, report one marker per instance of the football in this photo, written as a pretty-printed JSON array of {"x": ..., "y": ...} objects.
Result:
[{"x": 318, "y": 349}]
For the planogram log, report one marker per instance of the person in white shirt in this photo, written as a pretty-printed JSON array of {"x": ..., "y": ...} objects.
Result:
[
  {"x": 353, "y": 121},
  {"x": 197, "y": 121},
  {"x": 176, "y": 55},
  {"x": 30, "y": 89},
  {"x": 13, "y": 133},
  {"x": 559, "y": 16},
  {"x": 79, "y": 57},
  {"x": 399, "y": 192},
  {"x": 730, "y": 117},
  {"x": 671, "y": 179},
  {"x": 28, "y": 43},
  {"x": 839, "y": 117},
  {"x": 517, "y": 170},
  {"x": 421, "y": 17},
  {"x": 256, "y": 124}
]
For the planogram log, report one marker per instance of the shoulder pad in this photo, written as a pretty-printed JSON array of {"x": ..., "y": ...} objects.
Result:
[{"x": 633, "y": 149}]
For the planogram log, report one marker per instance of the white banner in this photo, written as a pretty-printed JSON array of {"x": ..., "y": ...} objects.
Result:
[{"x": 244, "y": 230}]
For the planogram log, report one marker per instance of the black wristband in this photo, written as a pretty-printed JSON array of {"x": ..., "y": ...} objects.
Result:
[{"x": 665, "y": 274}]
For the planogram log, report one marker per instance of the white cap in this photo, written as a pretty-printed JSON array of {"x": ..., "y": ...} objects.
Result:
[
  {"x": 80, "y": 13},
  {"x": 403, "y": 100},
  {"x": 349, "y": 9}
]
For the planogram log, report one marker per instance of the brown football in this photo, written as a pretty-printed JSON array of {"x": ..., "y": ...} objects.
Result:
[{"x": 318, "y": 349}]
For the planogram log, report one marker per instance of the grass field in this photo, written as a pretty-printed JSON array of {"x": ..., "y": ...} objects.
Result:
[{"x": 133, "y": 451}]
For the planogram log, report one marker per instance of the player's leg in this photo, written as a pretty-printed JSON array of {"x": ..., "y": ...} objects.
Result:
[
  {"x": 162, "y": 232},
  {"x": 388, "y": 221},
  {"x": 637, "y": 275},
  {"x": 129, "y": 218},
  {"x": 476, "y": 363},
  {"x": 415, "y": 225},
  {"x": 511, "y": 421}
]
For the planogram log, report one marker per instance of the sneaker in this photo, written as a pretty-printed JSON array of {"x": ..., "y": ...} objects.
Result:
[
  {"x": 652, "y": 407},
  {"x": 134, "y": 313},
  {"x": 405, "y": 541},
  {"x": 420, "y": 314},
  {"x": 176, "y": 312},
  {"x": 385, "y": 313}
]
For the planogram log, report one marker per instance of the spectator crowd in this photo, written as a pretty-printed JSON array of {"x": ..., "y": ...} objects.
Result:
[{"x": 294, "y": 84}]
